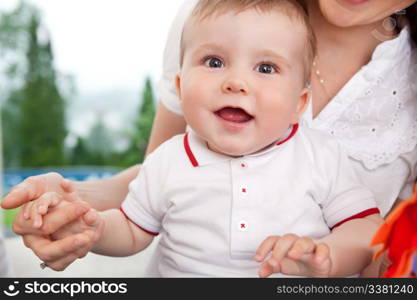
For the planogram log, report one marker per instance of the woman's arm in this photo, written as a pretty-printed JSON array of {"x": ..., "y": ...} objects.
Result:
[
  {"x": 378, "y": 266},
  {"x": 350, "y": 245},
  {"x": 107, "y": 193},
  {"x": 100, "y": 194},
  {"x": 166, "y": 125}
]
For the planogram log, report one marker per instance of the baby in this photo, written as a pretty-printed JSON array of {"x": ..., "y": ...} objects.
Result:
[{"x": 246, "y": 191}]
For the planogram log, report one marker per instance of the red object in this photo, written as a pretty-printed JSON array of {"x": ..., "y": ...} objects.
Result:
[
  {"x": 399, "y": 237},
  {"x": 360, "y": 215}
]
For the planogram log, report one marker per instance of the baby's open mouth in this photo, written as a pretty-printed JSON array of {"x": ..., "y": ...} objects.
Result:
[{"x": 234, "y": 114}]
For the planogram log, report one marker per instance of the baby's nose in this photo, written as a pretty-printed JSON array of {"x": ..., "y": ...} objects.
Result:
[{"x": 235, "y": 85}]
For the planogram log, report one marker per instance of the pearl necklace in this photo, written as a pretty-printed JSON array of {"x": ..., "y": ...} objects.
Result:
[{"x": 320, "y": 78}]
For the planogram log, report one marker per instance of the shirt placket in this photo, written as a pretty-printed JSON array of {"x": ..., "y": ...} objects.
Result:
[{"x": 241, "y": 221}]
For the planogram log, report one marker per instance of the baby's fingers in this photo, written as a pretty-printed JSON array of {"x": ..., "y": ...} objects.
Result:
[
  {"x": 266, "y": 247},
  {"x": 281, "y": 249},
  {"x": 322, "y": 253},
  {"x": 302, "y": 247},
  {"x": 48, "y": 200},
  {"x": 40, "y": 207},
  {"x": 26, "y": 210},
  {"x": 265, "y": 270}
]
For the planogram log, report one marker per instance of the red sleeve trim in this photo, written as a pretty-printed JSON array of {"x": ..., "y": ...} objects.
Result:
[
  {"x": 360, "y": 215},
  {"x": 190, "y": 154},
  {"x": 141, "y": 228}
]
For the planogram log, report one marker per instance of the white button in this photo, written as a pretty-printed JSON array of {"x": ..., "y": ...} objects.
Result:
[{"x": 243, "y": 225}]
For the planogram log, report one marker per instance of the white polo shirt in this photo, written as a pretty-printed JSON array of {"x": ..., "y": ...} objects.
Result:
[
  {"x": 213, "y": 211},
  {"x": 374, "y": 116}
]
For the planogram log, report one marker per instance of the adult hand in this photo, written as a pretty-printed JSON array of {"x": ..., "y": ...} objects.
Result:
[
  {"x": 38, "y": 187},
  {"x": 70, "y": 229},
  {"x": 34, "y": 187}
]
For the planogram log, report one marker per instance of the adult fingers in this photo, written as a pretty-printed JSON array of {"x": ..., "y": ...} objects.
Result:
[
  {"x": 266, "y": 246},
  {"x": 69, "y": 189},
  {"x": 74, "y": 227},
  {"x": 94, "y": 229},
  {"x": 30, "y": 189},
  {"x": 58, "y": 217},
  {"x": 63, "y": 214},
  {"x": 61, "y": 264},
  {"x": 50, "y": 251},
  {"x": 91, "y": 218},
  {"x": 23, "y": 224},
  {"x": 68, "y": 185},
  {"x": 72, "y": 196},
  {"x": 81, "y": 251}
]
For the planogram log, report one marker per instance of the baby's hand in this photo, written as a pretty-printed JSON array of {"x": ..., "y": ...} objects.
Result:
[
  {"x": 36, "y": 209},
  {"x": 293, "y": 255}
]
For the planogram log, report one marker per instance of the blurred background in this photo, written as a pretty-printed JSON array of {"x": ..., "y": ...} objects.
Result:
[{"x": 77, "y": 92}]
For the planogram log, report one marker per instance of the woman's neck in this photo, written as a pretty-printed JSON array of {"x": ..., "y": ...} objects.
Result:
[
  {"x": 357, "y": 42},
  {"x": 341, "y": 53}
]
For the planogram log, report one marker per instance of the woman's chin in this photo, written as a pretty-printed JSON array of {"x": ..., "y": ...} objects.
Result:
[{"x": 339, "y": 15}]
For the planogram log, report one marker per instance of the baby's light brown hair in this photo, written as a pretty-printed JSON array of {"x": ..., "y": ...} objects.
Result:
[{"x": 292, "y": 8}]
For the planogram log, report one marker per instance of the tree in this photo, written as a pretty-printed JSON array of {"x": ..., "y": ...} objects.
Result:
[
  {"x": 146, "y": 117},
  {"x": 10, "y": 121},
  {"x": 13, "y": 44},
  {"x": 142, "y": 127},
  {"x": 100, "y": 144},
  {"x": 34, "y": 111},
  {"x": 80, "y": 155},
  {"x": 42, "y": 123}
]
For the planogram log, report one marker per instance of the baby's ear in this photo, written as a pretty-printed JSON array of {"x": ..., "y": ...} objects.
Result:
[
  {"x": 302, "y": 105},
  {"x": 178, "y": 85}
]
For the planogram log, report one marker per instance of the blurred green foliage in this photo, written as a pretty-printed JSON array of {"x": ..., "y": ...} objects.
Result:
[
  {"x": 9, "y": 217},
  {"x": 34, "y": 110},
  {"x": 139, "y": 135},
  {"x": 34, "y": 105}
]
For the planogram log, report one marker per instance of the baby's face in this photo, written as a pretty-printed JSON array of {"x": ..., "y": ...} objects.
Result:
[{"x": 241, "y": 84}]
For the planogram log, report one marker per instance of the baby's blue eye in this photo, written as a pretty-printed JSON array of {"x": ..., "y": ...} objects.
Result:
[
  {"x": 213, "y": 62},
  {"x": 266, "y": 68}
]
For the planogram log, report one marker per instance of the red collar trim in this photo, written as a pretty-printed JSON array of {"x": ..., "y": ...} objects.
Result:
[
  {"x": 293, "y": 132},
  {"x": 194, "y": 161},
  {"x": 190, "y": 154}
]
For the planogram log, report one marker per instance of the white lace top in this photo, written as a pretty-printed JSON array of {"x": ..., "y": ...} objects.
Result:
[{"x": 374, "y": 116}]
